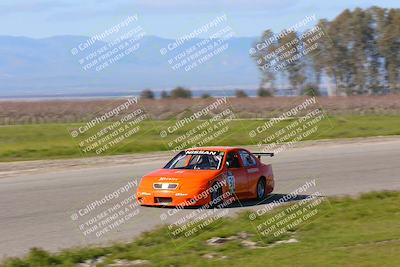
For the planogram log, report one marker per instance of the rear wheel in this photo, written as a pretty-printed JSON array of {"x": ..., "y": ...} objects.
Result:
[{"x": 261, "y": 189}]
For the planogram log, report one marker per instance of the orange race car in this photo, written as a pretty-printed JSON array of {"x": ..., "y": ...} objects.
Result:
[{"x": 207, "y": 175}]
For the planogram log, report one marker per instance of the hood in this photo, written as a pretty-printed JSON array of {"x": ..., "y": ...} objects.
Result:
[{"x": 182, "y": 176}]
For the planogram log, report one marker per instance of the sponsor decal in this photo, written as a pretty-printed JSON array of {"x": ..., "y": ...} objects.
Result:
[
  {"x": 168, "y": 179},
  {"x": 231, "y": 182},
  {"x": 252, "y": 170},
  {"x": 202, "y": 152}
]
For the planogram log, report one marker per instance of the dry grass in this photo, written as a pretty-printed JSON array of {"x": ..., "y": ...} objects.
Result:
[{"x": 24, "y": 112}]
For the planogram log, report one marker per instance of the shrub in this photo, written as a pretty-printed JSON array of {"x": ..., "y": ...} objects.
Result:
[
  {"x": 147, "y": 94},
  {"x": 180, "y": 92},
  {"x": 311, "y": 90},
  {"x": 164, "y": 94},
  {"x": 262, "y": 92},
  {"x": 240, "y": 93}
]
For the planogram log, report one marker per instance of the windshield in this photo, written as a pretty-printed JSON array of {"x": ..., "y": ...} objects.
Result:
[{"x": 196, "y": 160}]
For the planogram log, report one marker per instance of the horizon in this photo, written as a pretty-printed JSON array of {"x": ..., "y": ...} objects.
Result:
[{"x": 50, "y": 53}]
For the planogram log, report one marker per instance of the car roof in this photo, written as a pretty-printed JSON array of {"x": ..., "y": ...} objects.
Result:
[{"x": 215, "y": 148}]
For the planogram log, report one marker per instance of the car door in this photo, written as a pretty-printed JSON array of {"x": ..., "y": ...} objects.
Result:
[
  {"x": 237, "y": 177},
  {"x": 251, "y": 169}
]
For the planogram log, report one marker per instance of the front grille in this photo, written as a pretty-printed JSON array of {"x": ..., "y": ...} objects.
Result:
[
  {"x": 172, "y": 186},
  {"x": 163, "y": 200},
  {"x": 165, "y": 186}
]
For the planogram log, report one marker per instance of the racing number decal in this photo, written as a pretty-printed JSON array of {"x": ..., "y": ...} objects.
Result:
[{"x": 231, "y": 182}]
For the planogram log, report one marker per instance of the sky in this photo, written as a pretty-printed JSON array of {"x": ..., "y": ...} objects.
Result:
[{"x": 163, "y": 18}]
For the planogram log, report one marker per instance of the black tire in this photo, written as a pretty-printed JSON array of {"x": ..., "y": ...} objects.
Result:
[
  {"x": 260, "y": 189},
  {"x": 216, "y": 195}
]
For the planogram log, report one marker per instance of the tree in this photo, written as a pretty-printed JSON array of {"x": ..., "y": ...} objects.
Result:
[
  {"x": 294, "y": 68},
  {"x": 240, "y": 93},
  {"x": 205, "y": 95},
  {"x": 147, "y": 94},
  {"x": 311, "y": 90},
  {"x": 262, "y": 92},
  {"x": 262, "y": 52},
  {"x": 181, "y": 92},
  {"x": 374, "y": 81},
  {"x": 361, "y": 49},
  {"x": 389, "y": 46},
  {"x": 164, "y": 94},
  {"x": 359, "y": 52}
]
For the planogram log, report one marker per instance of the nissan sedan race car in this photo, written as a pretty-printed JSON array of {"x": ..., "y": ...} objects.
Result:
[{"x": 207, "y": 175}]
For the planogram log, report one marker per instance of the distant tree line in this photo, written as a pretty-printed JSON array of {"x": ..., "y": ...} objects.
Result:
[
  {"x": 178, "y": 92},
  {"x": 360, "y": 54},
  {"x": 181, "y": 92}
]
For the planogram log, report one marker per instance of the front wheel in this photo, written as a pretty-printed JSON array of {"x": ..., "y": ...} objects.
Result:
[{"x": 261, "y": 189}]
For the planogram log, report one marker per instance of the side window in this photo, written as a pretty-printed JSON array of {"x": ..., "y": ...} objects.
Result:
[
  {"x": 233, "y": 160},
  {"x": 247, "y": 159}
]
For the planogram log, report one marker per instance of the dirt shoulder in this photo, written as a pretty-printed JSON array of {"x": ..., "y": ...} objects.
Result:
[
  {"x": 9, "y": 169},
  {"x": 69, "y": 111}
]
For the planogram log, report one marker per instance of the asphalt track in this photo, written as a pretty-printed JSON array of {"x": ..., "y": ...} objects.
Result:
[{"x": 36, "y": 208}]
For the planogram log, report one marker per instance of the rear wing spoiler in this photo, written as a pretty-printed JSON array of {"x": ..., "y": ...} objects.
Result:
[{"x": 267, "y": 154}]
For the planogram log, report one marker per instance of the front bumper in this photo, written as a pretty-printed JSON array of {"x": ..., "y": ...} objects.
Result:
[{"x": 171, "y": 198}]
